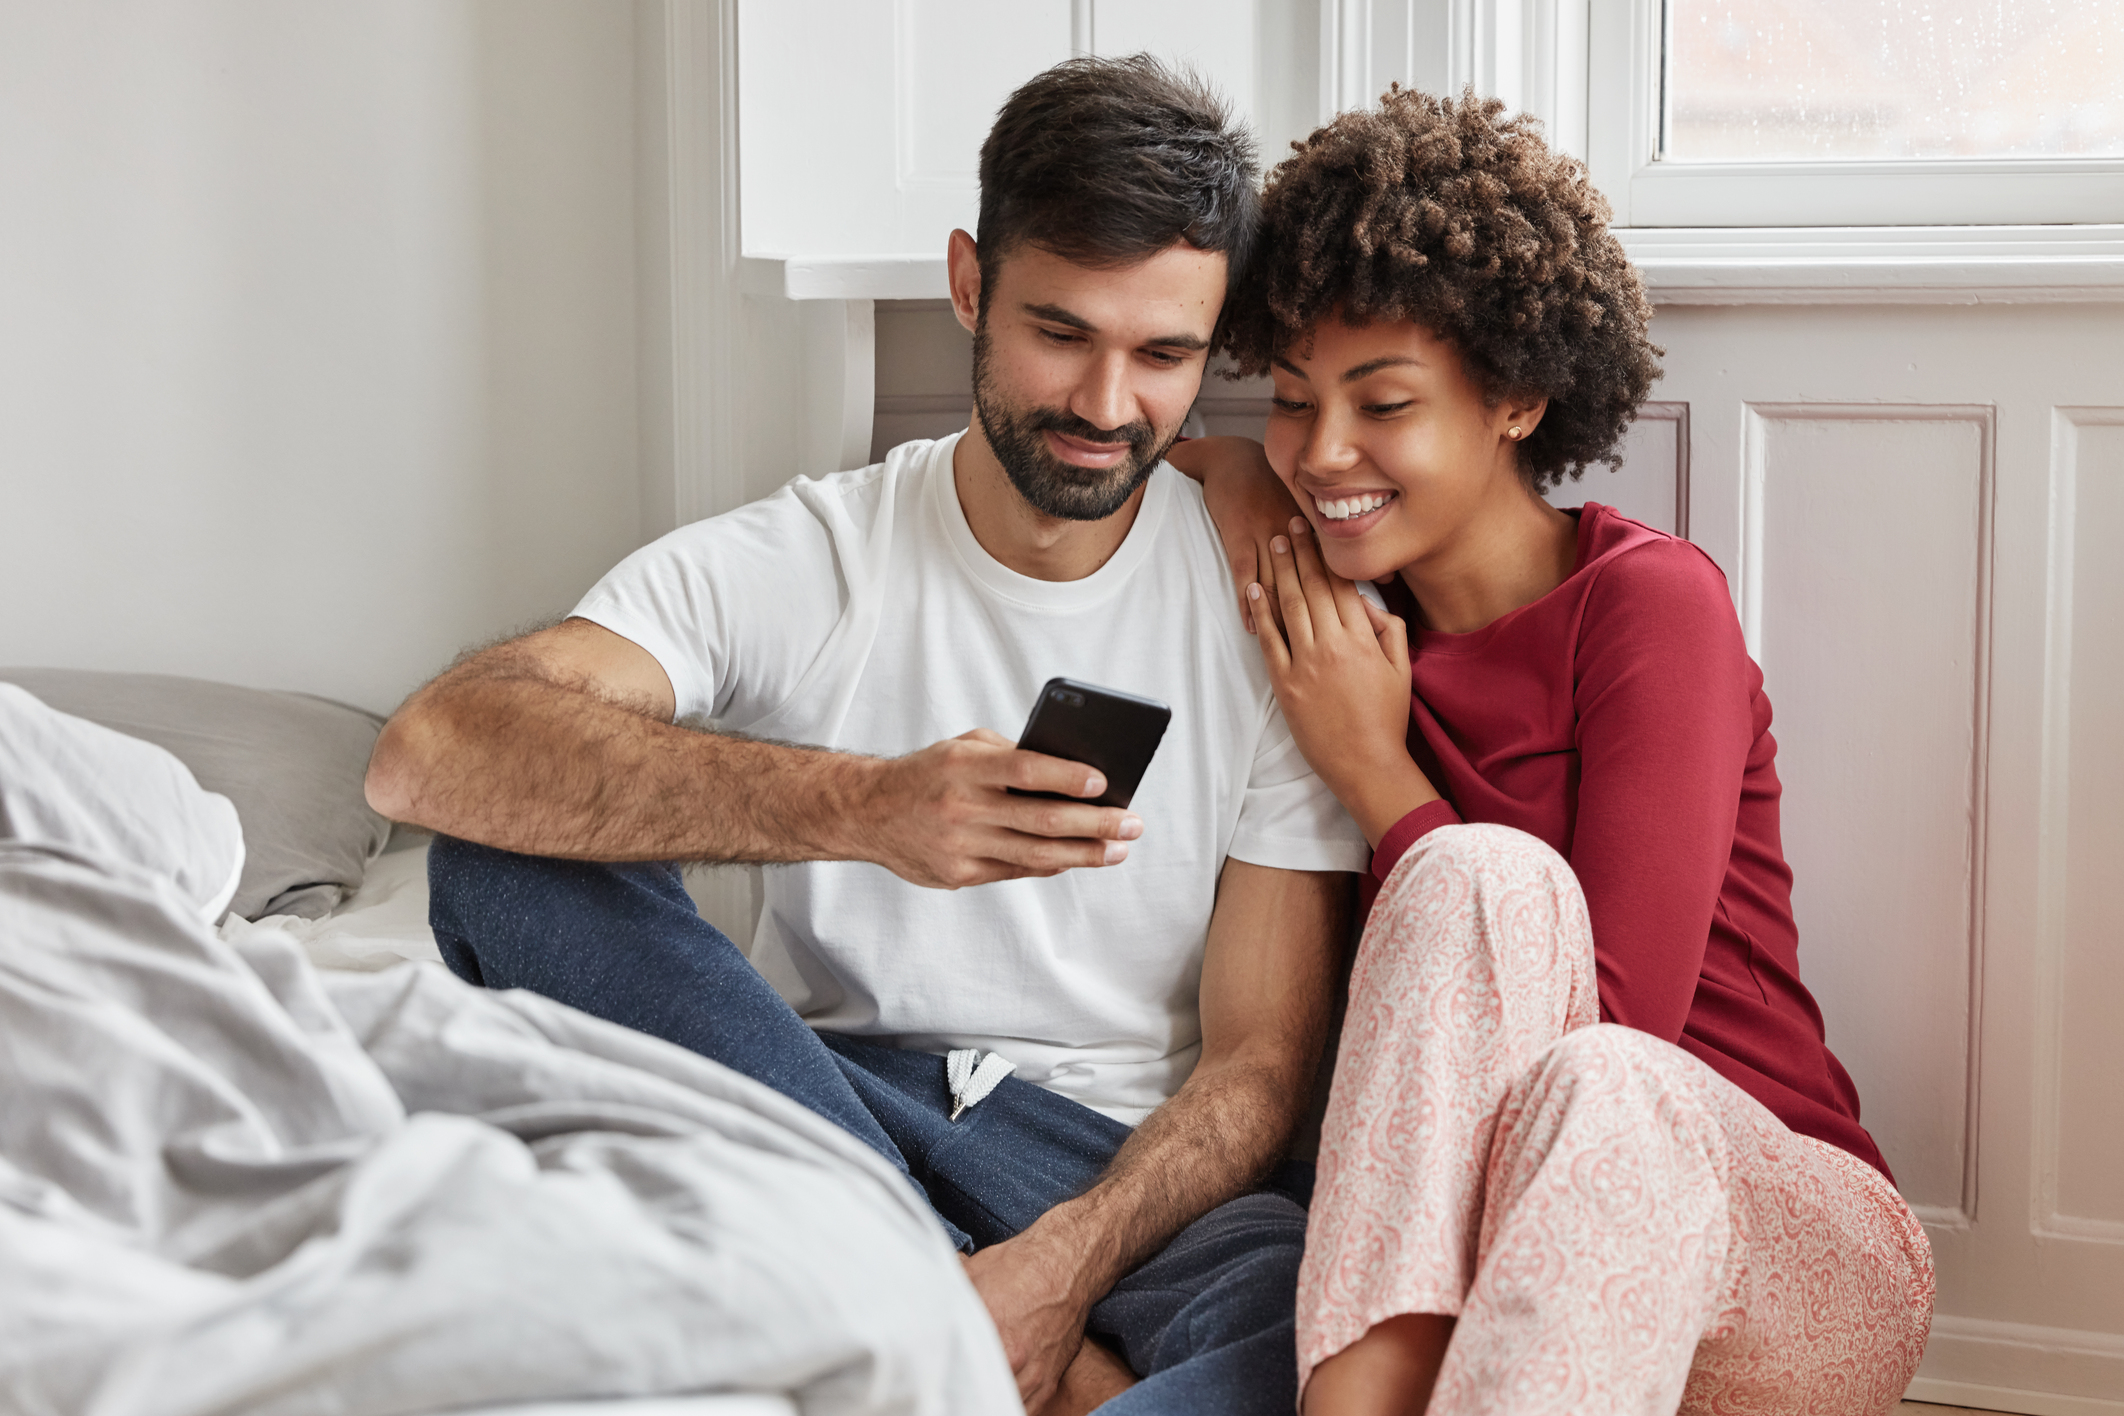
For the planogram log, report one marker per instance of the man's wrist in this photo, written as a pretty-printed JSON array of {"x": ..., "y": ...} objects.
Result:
[
  {"x": 1077, "y": 1250},
  {"x": 856, "y": 794}
]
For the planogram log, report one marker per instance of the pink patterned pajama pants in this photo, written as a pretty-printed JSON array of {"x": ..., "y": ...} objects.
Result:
[{"x": 1618, "y": 1228}]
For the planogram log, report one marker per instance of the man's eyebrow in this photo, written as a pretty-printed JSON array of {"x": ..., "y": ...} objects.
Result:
[{"x": 1055, "y": 314}]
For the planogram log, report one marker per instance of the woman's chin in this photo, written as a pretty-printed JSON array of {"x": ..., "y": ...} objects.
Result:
[{"x": 1356, "y": 561}]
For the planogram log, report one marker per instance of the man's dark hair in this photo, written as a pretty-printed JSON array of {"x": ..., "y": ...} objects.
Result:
[
  {"x": 1456, "y": 216},
  {"x": 1106, "y": 162}
]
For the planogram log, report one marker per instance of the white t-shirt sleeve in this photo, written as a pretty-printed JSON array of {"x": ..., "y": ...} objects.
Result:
[
  {"x": 735, "y": 608},
  {"x": 1288, "y": 818}
]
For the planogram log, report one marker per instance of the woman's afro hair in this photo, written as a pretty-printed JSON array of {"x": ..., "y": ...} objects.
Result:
[{"x": 1453, "y": 216}]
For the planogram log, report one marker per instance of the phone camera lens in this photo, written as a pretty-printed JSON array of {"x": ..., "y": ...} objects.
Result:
[{"x": 1074, "y": 700}]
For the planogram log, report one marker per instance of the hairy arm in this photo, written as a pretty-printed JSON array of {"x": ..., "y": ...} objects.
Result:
[
  {"x": 561, "y": 744},
  {"x": 1268, "y": 974}
]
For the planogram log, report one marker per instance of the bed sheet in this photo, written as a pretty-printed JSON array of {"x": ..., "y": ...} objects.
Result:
[
  {"x": 386, "y": 921},
  {"x": 737, "y": 1404},
  {"x": 381, "y": 924}
]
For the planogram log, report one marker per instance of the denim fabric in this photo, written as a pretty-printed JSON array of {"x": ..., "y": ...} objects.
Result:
[{"x": 1207, "y": 1323}]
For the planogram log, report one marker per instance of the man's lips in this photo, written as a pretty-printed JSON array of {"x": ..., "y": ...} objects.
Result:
[{"x": 1081, "y": 452}]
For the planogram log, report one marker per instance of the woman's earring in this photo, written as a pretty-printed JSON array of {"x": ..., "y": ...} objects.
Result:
[{"x": 1515, "y": 432}]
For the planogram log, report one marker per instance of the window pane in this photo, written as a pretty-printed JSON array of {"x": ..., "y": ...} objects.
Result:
[{"x": 1813, "y": 80}]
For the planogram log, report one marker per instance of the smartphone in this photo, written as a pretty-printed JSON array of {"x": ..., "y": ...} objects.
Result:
[{"x": 1101, "y": 727}]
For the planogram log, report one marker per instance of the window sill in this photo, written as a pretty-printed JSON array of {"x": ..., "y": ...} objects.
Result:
[
  {"x": 1948, "y": 265},
  {"x": 1951, "y": 265}
]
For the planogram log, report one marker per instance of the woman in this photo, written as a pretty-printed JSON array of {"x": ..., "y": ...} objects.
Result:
[{"x": 1586, "y": 1150}]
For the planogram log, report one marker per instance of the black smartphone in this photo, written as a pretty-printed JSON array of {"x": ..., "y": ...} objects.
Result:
[{"x": 1101, "y": 727}]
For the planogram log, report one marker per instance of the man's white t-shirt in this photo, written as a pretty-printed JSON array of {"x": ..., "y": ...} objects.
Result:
[{"x": 859, "y": 612}]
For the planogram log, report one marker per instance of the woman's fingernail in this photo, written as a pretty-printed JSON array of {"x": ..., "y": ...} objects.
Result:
[
  {"x": 1131, "y": 827},
  {"x": 1094, "y": 784},
  {"x": 1298, "y": 525},
  {"x": 1115, "y": 852},
  {"x": 1280, "y": 546},
  {"x": 1253, "y": 591}
]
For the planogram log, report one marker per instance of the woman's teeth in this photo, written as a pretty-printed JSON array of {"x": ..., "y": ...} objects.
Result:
[{"x": 1343, "y": 508}]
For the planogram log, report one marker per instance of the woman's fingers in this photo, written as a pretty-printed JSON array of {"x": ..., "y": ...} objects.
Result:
[
  {"x": 1274, "y": 652},
  {"x": 1325, "y": 591},
  {"x": 1291, "y": 596},
  {"x": 1392, "y": 632}
]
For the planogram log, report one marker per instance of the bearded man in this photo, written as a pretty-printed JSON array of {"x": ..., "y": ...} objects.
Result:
[{"x": 813, "y": 682}]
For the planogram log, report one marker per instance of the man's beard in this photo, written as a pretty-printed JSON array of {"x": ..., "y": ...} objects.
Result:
[{"x": 1051, "y": 485}]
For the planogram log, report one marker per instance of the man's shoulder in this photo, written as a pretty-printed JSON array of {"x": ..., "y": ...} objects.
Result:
[{"x": 805, "y": 514}]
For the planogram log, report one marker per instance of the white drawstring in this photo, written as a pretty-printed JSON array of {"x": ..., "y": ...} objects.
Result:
[{"x": 973, "y": 1074}]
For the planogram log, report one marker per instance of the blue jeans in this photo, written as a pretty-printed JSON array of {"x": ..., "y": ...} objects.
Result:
[{"x": 1208, "y": 1323}]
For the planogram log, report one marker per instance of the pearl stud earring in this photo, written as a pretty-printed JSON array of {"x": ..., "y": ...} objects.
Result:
[{"x": 1515, "y": 432}]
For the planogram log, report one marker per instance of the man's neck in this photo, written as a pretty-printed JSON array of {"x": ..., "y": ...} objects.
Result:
[{"x": 1025, "y": 539}]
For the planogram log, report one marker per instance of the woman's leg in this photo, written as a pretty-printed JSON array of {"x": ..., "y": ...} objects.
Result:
[
  {"x": 1478, "y": 956},
  {"x": 1652, "y": 1238}
]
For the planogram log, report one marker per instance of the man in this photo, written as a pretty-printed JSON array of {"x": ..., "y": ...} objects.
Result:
[{"x": 1160, "y": 976}]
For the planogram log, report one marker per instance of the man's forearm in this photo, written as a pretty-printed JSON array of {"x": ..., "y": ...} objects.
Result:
[
  {"x": 516, "y": 759},
  {"x": 1219, "y": 1135}
]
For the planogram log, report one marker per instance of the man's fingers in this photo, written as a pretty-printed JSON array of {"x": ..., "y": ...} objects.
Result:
[
  {"x": 986, "y": 735},
  {"x": 1069, "y": 821},
  {"x": 1037, "y": 772}
]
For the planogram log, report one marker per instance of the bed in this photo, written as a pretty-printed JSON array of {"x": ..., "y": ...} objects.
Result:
[{"x": 262, "y": 1153}]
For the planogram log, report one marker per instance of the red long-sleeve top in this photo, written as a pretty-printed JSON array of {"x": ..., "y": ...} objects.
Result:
[{"x": 1620, "y": 719}]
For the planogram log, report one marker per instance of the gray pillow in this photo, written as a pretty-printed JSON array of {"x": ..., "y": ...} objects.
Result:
[{"x": 291, "y": 763}]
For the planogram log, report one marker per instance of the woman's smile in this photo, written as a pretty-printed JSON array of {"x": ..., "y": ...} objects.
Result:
[{"x": 1350, "y": 513}]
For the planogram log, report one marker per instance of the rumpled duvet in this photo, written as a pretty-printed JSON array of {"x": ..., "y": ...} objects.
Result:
[{"x": 232, "y": 1183}]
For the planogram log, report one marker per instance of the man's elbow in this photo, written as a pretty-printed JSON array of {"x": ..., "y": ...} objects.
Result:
[{"x": 399, "y": 766}]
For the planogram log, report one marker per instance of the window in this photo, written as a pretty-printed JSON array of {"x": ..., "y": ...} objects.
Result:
[{"x": 1767, "y": 113}]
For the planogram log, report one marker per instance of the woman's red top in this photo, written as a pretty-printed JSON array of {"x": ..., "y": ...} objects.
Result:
[{"x": 1620, "y": 719}]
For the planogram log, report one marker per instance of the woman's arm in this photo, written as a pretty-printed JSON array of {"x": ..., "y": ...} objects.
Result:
[
  {"x": 1666, "y": 701},
  {"x": 1246, "y": 499}
]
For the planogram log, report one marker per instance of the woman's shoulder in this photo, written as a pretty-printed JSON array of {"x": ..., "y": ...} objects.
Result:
[
  {"x": 1640, "y": 578},
  {"x": 1628, "y": 557}
]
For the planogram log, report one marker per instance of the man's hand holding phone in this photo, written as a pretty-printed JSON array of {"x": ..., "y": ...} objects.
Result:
[
  {"x": 980, "y": 808},
  {"x": 945, "y": 817}
]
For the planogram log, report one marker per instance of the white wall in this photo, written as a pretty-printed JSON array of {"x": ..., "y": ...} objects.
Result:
[{"x": 316, "y": 331}]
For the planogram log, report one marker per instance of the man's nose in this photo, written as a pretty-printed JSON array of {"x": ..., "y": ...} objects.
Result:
[{"x": 1102, "y": 397}]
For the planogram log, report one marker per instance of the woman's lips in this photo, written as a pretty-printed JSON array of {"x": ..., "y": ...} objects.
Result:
[
  {"x": 1351, "y": 513},
  {"x": 1079, "y": 453}
]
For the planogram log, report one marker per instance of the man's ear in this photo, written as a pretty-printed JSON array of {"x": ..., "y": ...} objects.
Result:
[{"x": 962, "y": 265}]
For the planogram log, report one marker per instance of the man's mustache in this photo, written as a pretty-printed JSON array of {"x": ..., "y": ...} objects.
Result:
[{"x": 1137, "y": 435}]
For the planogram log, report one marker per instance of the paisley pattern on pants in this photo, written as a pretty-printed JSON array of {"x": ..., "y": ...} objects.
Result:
[{"x": 1616, "y": 1226}]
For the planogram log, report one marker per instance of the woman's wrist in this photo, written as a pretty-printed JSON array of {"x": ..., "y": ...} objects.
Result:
[{"x": 1381, "y": 796}]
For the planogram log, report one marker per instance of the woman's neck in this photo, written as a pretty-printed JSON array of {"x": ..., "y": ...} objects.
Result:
[{"x": 1512, "y": 551}]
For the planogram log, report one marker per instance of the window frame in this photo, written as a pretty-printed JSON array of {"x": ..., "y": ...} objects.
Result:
[{"x": 1625, "y": 42}]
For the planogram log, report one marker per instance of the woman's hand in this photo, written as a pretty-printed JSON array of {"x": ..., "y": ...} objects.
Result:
[
  {"x": 1246, "y": 499},
  {"x": 1340, "y": 668}
]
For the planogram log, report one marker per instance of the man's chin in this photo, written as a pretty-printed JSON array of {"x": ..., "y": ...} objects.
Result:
[{"x": 1077, "y": 494}]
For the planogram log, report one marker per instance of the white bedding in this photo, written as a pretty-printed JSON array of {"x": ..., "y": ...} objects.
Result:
[
  {"x": 383, "y": 923},
  {"x": 232, "y": 1182}
]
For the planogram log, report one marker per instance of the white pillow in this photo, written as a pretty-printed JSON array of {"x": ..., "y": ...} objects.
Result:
[{"x": 68, "y": 784}]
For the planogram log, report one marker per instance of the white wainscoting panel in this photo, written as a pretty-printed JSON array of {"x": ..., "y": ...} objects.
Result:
[
  {"x": 2078, "y": 1191},
  {"x": 1863, "y": 594},
  {"x": 1652, "y": 484}
]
